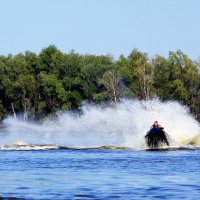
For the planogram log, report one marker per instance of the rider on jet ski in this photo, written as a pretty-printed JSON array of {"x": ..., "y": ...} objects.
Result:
[{"x": 156, "y": 126}]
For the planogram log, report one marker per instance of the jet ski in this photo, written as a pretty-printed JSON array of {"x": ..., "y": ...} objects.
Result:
[{"x": 156, "y": 138}]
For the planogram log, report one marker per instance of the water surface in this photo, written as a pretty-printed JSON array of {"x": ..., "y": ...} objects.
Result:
[{"x": 100, "y": 174}]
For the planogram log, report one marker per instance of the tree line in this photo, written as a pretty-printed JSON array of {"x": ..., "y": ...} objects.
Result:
[{"x": 38, "y": 85}]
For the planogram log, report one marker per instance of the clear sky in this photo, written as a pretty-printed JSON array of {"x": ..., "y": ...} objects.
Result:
[{"x": 101, "y": 26}]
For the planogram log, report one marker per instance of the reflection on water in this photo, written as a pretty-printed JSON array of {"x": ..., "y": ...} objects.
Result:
[{"x": 100, "y": 174}]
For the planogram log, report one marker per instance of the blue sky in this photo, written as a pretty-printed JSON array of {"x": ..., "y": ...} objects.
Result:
[{"x": 101, "y": 26}]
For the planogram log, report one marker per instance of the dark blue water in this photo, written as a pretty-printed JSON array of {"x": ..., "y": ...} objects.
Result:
[{"x": 100, "y": 174}]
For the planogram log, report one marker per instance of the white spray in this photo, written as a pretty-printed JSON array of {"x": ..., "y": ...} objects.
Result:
[{"x": 125, "y": 126}]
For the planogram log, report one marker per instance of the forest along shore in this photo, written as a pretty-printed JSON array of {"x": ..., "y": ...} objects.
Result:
[{"x": 39, "y": 85}]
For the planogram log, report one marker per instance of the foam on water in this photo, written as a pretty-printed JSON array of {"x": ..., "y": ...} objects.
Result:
[{"x": 125, "y": 126}]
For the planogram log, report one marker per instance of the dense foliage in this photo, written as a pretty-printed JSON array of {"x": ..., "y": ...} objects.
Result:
[{"x": 37, "y": 85}]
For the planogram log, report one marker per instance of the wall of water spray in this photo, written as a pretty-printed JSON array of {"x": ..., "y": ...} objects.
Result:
[{"x": 124, "y": 125}]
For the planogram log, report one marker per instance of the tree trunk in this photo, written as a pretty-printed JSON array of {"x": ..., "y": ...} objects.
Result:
[
  {"x": 13, "y": 109},
  {"x": 25, "y": 111}
]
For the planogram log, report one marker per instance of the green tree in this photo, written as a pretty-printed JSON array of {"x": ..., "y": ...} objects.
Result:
[
  {"x": 111, "y": 82},
  {"x": 136, "y": 73}
]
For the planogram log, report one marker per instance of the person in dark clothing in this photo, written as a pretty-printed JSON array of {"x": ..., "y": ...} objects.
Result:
[
  {"x": 156, "y": 136},
  {"x": 156, "y": 126}
]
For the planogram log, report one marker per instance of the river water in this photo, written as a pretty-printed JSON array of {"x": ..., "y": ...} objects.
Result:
[
  {"x": 100, "y": 174},
  {"x": 72, "y": 156}
]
